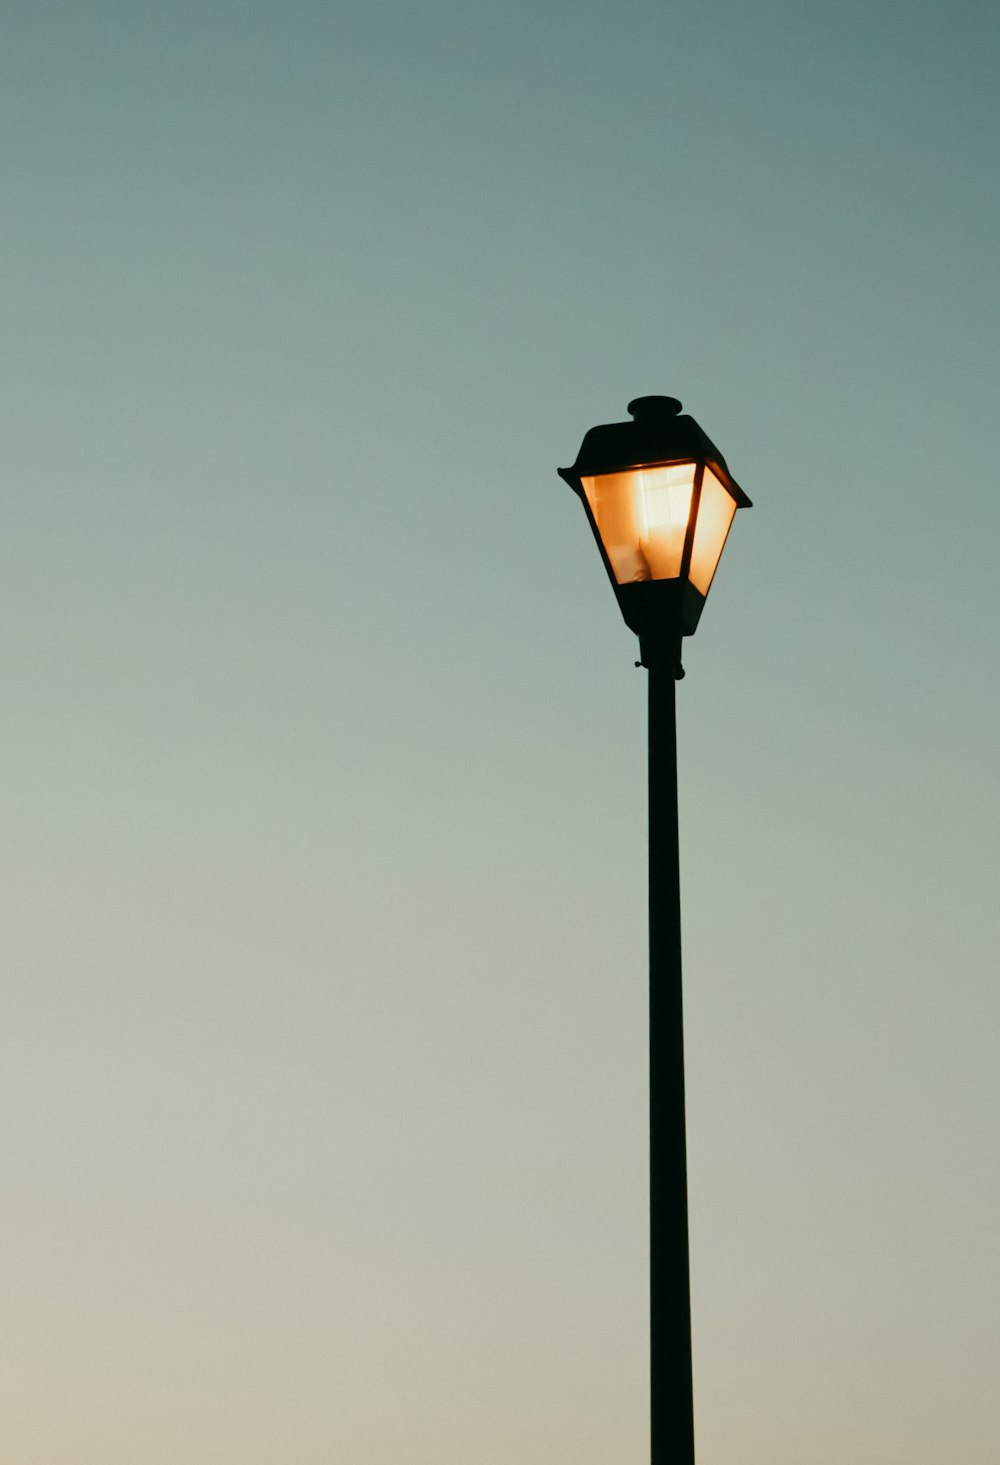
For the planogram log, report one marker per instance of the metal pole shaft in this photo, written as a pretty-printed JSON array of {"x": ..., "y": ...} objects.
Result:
[{"x": 672, "y": 1408}]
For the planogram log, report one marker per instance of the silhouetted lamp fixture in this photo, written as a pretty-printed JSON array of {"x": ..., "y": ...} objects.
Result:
[{"x": 660, "y": 501}]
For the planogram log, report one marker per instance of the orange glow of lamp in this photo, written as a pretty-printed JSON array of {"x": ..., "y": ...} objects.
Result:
[{"x": 660, "y": 500}]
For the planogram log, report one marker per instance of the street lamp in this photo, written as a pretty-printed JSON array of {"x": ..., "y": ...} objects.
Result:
[{"x": 660, "y": 500}]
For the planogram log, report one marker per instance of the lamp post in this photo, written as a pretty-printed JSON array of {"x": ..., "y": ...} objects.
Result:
[{"x": 660, "y": 501}]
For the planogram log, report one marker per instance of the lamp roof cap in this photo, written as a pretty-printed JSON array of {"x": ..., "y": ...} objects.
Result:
[
  {"x": 658, "y": 433},
  {"x": 652, "y": 409}
]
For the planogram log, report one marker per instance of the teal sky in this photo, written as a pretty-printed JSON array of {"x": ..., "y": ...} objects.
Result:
[{"x": 323, "y": 935}]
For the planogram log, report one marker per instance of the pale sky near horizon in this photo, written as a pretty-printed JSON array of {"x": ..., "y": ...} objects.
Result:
[{"x": 322, "y": 1060}]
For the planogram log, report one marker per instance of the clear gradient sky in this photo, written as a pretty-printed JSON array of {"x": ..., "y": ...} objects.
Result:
[{"x": 323, "y": 935}]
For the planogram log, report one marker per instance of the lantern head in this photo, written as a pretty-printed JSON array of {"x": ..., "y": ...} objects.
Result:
[{"x": 660, "y": 500}]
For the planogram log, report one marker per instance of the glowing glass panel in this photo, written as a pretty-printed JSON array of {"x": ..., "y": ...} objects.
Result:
[
  {"x": 715, "y": 514},
  {"x": 642, "y": 517}
]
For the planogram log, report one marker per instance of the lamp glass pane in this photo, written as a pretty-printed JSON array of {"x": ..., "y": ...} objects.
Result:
[
  {"x": 642, "y": 517},
  {"x": 715, "y": 514}
]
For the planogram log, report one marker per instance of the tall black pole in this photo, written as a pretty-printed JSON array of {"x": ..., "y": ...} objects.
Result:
[{"x": 672, "y": 1408}]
